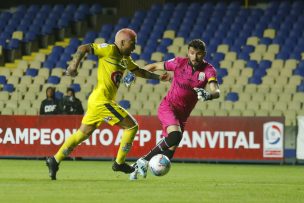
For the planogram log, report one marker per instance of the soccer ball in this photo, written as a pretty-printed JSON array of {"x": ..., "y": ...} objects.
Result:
[{"x": 159, "y": 165}]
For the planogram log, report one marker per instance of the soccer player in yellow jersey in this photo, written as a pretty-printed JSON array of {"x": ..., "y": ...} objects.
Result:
[{"x": 113, "y": 60}]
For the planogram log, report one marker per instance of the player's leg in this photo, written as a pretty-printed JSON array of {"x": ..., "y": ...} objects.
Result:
[
  {"x": 172, "y": 131},
  {"x": 166, "y": 146},
  {"x": 130, "y": 127},
  {"x": 171, "y": 141},
  {"x": 68, "y": 146},
  {"x": 79, "y": 136},
  {"x": 116, "y": 115},
  {"x": 89, "y": 123},
  {"x": 171, "y": 150}
]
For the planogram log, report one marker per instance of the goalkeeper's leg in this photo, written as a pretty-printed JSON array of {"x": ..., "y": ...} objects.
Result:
[
  {"x": 166, "y": 146},
  {"x": 171, "y": 141}
]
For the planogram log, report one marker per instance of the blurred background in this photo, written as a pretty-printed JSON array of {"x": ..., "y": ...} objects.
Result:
[{"x": 256, "y": 46}]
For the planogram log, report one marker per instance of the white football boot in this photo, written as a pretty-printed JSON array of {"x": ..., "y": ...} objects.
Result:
[
  {"x": 142, "y": 167},
  {"x": 133, "y": 175}
]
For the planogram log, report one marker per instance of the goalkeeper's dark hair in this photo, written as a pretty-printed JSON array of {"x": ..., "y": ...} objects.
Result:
[{"x": 197, "y": 44}]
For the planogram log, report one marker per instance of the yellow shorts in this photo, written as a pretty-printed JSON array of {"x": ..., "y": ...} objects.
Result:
[{"x": 109, "y": 112}]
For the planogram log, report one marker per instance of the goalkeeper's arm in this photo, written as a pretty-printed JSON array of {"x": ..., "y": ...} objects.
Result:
[{"x": 204, "y": 95}]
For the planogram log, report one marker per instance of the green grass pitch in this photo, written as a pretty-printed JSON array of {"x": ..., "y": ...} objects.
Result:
[{"x": 93, "y": 181}]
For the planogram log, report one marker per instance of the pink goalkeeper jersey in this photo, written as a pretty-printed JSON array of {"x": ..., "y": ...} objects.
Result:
[{"x": 181, "y": 94}]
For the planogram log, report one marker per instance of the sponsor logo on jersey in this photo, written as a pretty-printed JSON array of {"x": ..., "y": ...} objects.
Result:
[
  {"x": 103, "y": 45},
  {"x": 108, "y": 119},
  {"x": 116, "y": 77},
  {"x": 201, "y": 76}
]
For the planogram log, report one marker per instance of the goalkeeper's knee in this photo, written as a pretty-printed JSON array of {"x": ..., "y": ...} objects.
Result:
[{"x": 173, "y": 138}]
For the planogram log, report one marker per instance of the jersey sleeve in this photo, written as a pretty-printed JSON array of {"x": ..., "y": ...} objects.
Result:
[
  {"x": 101, "y": 50},
  {"x": 131, "y": 64},
  {"x": 211, "y": 74},
  {"x": 171, "y": 64}
]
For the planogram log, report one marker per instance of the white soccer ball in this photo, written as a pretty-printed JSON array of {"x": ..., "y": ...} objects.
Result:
[{"x": 159, "y": 165}]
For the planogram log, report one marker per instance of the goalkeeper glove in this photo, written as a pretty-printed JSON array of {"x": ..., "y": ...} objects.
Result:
[
  {"x": 202, "y": 94},
  {"x": 129, "y": 79}
]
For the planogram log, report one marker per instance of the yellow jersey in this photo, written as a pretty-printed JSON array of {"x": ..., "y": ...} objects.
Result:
[{"x": 111, "y": 67}]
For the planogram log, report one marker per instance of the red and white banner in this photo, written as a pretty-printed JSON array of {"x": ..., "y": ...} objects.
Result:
[{"x": 205, "y": 138}]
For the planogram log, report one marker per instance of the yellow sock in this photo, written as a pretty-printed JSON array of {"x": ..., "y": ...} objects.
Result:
[
  {"x": 69, "y": 145},
  {"x": 126, "y": 144}
]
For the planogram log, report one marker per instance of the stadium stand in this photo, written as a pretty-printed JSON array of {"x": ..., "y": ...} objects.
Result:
[{"x": 258, "y": 53}]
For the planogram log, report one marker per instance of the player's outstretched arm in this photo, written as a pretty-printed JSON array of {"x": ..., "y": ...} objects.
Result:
[
  {"x": 155, "y": 66},
  {"x": 80, "y": 53},
  {"x": 147, "y": 72}
]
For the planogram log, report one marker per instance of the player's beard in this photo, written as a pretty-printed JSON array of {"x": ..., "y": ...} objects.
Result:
[{"x": 196, "y": 64}]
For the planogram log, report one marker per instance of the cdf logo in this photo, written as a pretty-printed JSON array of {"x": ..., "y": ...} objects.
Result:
[{"x": 273, "y": 133}]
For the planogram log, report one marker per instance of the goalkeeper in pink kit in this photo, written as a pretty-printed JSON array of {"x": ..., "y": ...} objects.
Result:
[{"x": 190, "y": 76}]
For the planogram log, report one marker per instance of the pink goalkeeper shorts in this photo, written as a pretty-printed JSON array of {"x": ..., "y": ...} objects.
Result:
[{"x": 169, "y": 116}]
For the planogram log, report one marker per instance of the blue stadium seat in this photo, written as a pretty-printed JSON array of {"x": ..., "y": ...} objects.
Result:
[
  {"x": 145, "y": 56},
  {"x": 248, "y": 48},
  {"x": 235, "y": 48},
  {"x": 76, "y": 87},
  {"x": 283, "y": 55},
  {"x": 61, "y": 64},
  {"x": 104, "y": 35},
  {"x": 70, "y": 49},
  {"x": 168, "y": 56},
  {"x": 95, "y": 9},
  {"x": 2, "y": 79},
  {"x": 259, "y": 73},
  {"x": 300, "y": 87},
  {"x": 58, "y": 95},
  {"x": 124, "y": 21},
  {"x": 49, "y": 64},
  {"x": 65, "y": 57},
  {"x": 135, "y": 56},
  {"x": 252, "y": 64},
  {"x": 274, "y": 25},
  {"x": 299, "y": 71},
  {"x": 139, "y": 15},
  {"x": 161, "y": 48},
  {"x": 218, "y": 56},
  {"x": 31, "y": 72},
  {"x": 70, "y": 8},
  {"x": 58, "y": 49},
  {"x": 92, "y": 57},
  {"x": 244, "y": 56},
  {"x": 75, "y": 42},
  {"x": 58, "y": 8},
  {"x": 62, "y": 23},
  {"x": 222, "y": 72},
  {"x": 232, "y": 96},
  {"x": 53, "y": 80},
  {"x": 153, "y": 81},
  {"x": 125, "y": 104},
  {"x": 13, "y": 44},
  {"x": 255, "y": 80},
  {"x": 265, "y": 64},
  {"x": 166, "y": 42},
  {"x": 83, "y": 8},
  {"x": 296, "y": 55},
  {"x": 8, "y": 88}
]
